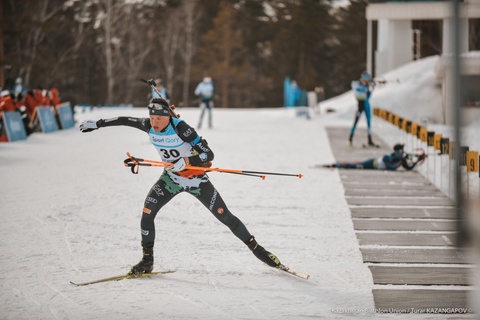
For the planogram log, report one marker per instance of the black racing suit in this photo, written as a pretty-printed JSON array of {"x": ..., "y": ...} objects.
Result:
[
  {"x": 179, "y": 140},
  {"x": 390, "y": 162}
]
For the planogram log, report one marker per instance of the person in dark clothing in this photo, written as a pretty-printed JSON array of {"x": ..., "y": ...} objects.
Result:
[
  {"x": 392, "y": 161},
  {"x": 179, "y": 144}
]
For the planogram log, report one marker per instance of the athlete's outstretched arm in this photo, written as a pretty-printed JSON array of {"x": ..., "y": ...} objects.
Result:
[{"x": 139, "y": 123}]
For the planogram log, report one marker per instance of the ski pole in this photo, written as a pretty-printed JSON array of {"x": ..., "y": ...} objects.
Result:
[
  {"x": 131, "y": 161},
  {"x": 134, "y": 163},
  {"x": 153, "y": 85},
  {"x": 134, "y": 167}
]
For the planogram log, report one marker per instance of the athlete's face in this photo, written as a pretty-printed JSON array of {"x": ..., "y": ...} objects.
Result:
[{"x": 159, "y": 122}]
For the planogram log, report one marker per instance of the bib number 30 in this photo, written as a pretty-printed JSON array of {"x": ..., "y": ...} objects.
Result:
[{"x": 170, "y": 153}]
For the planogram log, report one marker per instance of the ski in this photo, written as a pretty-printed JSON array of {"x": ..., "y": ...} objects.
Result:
[
  {"x": 121, "y": 277},
  {"x": 371, "y": 145},
  {"x": 293, "y": 272}
]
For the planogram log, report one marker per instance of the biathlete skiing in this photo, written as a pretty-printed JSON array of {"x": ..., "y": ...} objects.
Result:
[
  {"x": 392, "y": 161},
  {"x": 178, "y": 144}
]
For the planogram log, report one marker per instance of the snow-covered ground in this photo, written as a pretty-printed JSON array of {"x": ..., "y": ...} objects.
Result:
[{"x": 71, "y": 212}]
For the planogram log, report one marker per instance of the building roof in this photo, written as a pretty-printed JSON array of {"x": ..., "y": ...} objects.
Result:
[{"x": 419, "y": 10}]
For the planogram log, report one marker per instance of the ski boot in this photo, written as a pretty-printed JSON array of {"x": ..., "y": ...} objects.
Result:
[
  {"x": 146, "y": 264},
  {"x": 262, "y": 254},
  {"x": 370, "y": 142},
  {"x": 332, "y": 165}
]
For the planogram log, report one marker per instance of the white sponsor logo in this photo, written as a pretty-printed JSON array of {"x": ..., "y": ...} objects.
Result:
[
  {"x": 158, "y": 191},
  {"x": 214, "y": 198},
  {"x": 153, "y": 200},
  {"x": 201, "y": 146},
  {"x": 145, "y": 232},
  {"x": 156, "y": 140},
  {"x": 170, "y": 140},
  {"x": 188, "y": 132}
]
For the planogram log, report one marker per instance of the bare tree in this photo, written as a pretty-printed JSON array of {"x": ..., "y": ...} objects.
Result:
[
  {"x": 68, "y": 53},
  {"x": 92, "y": 48},
  {"x": 191, "y": 38},
  {"x": 108, "y": 18},
  {"x": 223, "y": 54},
  {"x": 170, "y": 36},
  {"x": 39, "y": 13},
  {"x": 136, "y": 47}
]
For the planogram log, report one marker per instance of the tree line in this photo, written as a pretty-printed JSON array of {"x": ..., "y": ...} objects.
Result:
[{"x": 95, "y": 51}]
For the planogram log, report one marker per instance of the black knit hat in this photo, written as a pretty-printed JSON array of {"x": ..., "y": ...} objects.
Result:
[{"x": 158, "y": 107}]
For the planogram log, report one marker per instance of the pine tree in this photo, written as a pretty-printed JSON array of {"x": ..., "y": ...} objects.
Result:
[{"x": 222, "y": 54}]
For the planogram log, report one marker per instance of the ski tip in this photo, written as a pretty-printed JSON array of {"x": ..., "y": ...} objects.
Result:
[
  {"x": 303, "y": 276},
  {"x": 300, "y": 175},
  {"x": 293, "y": 272}
]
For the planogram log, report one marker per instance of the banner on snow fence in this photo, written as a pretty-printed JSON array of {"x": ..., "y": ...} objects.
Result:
[
  {"x": 445, "y": 146},
  {"x": 463, "y": 155},
  {"x": 414, "y": 129},
  {"x": 430, "y": 135},
  {"x": 452, "y": 150},
  {"x": 65, "y": 115},
  {"x": 14, "y": 127},
  {"x": 293, "y": 95},
  {"x": 437, "y": 141},
  {"x": 47, "y": 119},
  {"x": 472, "y": 161}
]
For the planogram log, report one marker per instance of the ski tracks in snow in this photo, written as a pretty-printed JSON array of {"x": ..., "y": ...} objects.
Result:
[{"x": 223, "y": 295}]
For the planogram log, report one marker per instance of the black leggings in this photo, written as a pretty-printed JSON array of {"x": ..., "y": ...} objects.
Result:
[
  {"x": 165, "y": 189},
  {"x": 363, "y": 106}
]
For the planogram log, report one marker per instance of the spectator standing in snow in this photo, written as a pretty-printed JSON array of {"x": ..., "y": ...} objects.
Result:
[
  {"x": 54, "y": 96},
  {"x": 206, "y": 91},
  {"x": 19, "y": 88},
  {"x": 7, "y": 104},
  {"x": 30, "y": 103}
]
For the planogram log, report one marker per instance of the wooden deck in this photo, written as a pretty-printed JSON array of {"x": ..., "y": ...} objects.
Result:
[{"x": 407, "y": 231}]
